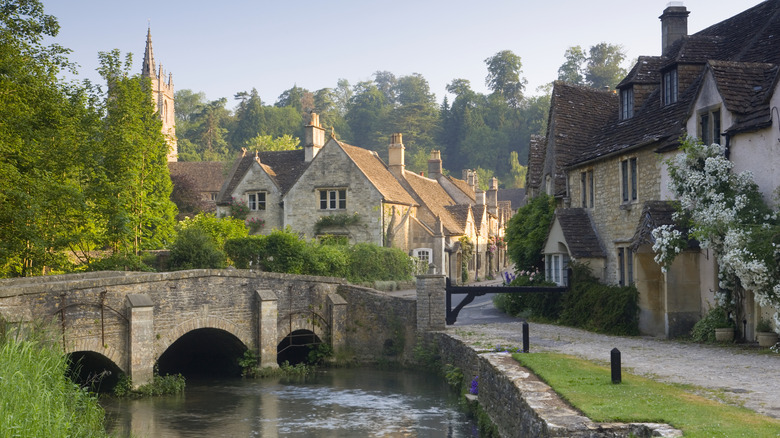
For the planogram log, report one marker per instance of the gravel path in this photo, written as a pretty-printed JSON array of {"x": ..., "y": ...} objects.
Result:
[{"x": 733, "y": 374}]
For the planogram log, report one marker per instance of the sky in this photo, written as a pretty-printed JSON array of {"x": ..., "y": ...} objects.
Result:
[{"x": 224, "y": 47}]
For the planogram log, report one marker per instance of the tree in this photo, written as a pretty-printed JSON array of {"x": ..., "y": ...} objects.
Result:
[
  {"x": 209, "y": 131},
  {"x": 268, "y": 143},
  {"x": 600, "y": 68},
  {"x": 136, "y": 186},
  {"x": 504, "y": 69},
  {"x": 187, "y": 104},
  {"x": 366, "y": 112},
  {"x": 518, "y": 171},
  {"x": 527, "y": 231},
  {"x": 250, "y": 119}
]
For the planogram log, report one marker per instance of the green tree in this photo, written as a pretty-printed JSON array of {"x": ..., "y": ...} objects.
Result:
[
  {"x": 250, "y": 119},
  {"x": 518, "y": 172},
  {"x": 210, "y": 129},
  {"x": 600, "y": 68},
  {"x": 504, "y": 70},
  {"x": 527, "y": 231},
  {"x": 268, "y": 143},
  {"x": 366, "y": 114},
  {"x": 136, "y": 186}
]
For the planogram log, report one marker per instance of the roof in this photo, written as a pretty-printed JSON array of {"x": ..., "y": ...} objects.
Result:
[
  {"x": 433, "y": 197},
  {"x": 515, "y": 196},
  {"x": 580, "y": 235},
  {"x": 463, "y": 186},
  {"x": 536, "y": 150},
  {"x": 645, "y": 71},
  {"x": 746, "y": 88},
  {"x": 377, "y": 173},
  {"x": 460, "y": 213},
  {"x": 654, "y": 214},
  {"x": 578, "y": 110},
  {"x": 207, "y": 176},
  {"x": 283, "y": 167},
  {"x": 737, "y": 50}
]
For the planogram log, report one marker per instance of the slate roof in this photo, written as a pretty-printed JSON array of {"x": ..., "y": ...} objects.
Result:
[
  {"x": 207, "y": 176},
  {"x": 577, "y": 114},
  {"x": 654, "y": 214},
  {"x": 647, "y": 70},
  {"x": 378, "y": 174},
  {"x": 746, "y": 89},
  {"x": 460, "y": 213},
  {"x": 731, "y": 48},
  {"x": 515, "y": 196},
  {"x": 433, "y": 196},
  {"x": 464, "y": 187},
  {"x": 580, "y": 235},
  {"x": 284, "y": 168}
]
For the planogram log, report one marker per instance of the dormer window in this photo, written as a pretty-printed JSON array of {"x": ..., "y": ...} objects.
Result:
[
  {"x": 670, "y": 86},
  {"x": 626, "y": 103}
]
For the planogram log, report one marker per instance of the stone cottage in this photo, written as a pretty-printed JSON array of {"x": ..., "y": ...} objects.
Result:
[{"x": 607, "y": 170}]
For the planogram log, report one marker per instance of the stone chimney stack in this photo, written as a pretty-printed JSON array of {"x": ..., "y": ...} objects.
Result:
[
  {"x": 434, "y": 165},
  {"x": 314, "y": 137},
  {"x": 395, "y": 153},
  {"x": 492, "y": 197},
  {"x": 674, "y": 24},
  {"x": 480, "y": 196}
]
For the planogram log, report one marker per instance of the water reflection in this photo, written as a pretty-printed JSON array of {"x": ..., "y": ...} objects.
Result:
[{"x": 337, "y": 403}]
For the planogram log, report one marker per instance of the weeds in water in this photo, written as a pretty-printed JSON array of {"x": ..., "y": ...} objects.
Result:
[{"x": 160, "y": 385}]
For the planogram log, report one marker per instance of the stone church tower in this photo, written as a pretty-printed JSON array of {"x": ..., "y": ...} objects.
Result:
[{"x": 162, "y": 96}]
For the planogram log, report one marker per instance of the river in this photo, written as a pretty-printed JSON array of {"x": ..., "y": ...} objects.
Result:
[{"x": 344, "y": 402}]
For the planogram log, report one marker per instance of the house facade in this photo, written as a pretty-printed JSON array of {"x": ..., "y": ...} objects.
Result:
[
  {"x": 334, "y": 190},
  {"x": 718, "y": 85}
]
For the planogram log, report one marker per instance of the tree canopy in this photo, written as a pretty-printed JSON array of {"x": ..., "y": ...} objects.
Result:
[{"x": 601, "y": 67}]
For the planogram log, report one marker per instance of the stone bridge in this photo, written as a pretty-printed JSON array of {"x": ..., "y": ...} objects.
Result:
[{"x": 133, "y": 319}]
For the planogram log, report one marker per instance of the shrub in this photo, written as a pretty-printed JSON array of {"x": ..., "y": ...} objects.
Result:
[
  {"x": 704, "y": 329},
  {"x": 195, "y": 249},
  {"x": 369, "y": 262},
  {"x": 220, "y": 229},
  {"x": 598, "y": 307},
  {"x": 245, "y": 252},
  {"x": 119, "y": 262},
  {"x": 527, "y": 231},
  {"x": 542, "y": 305}
]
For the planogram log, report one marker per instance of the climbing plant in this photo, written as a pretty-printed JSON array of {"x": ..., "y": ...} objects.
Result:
[{"x": 336, "y": 220}]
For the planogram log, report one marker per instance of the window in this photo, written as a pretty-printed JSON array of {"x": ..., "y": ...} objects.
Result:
[
  {"x": 670, "y": 87},
  {"x": 586, "y": 183},
  {"x": 556, "y": 266},
  {"x": 423, "y": 254},
  {"x": 256, "y": 201},
  {"x": 214, "y": 196},
  {"x": 333, "y": 199},
  {"x": 709, "y": 126},
  {"x": 628, "y": 174},
  {"x": 625, "y": 266},
  {"x": 626, "y": 103}
]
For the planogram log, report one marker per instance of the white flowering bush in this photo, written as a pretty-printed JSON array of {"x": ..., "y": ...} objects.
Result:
[{"x": 725, "y": 212}]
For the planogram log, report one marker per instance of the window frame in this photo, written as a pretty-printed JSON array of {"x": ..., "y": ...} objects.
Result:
[
  {"x": 629, "y": 180},
  {"x": 587, "y": 186},
  {"x": 625, "y": 262},
  {"x": 254, "y": 202},
  {"x": 708, "y": 125},
  {"x": 626, "y": 103},
  {"x": 670, "y": 87},
  {"x": 556, "y": 268},
  {"x": 334, "y": 198}
]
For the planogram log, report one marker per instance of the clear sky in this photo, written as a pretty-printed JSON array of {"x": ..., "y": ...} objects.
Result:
[{"x": 223, "y": 47}]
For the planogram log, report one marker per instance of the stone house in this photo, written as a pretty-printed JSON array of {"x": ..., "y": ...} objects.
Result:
[
  {"x": 718, "y": 85},
  {"x": 348, "y": 193}
]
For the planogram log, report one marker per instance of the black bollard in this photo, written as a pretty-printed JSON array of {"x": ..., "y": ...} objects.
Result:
[
  {"x": 525, "y": 337},
  {"x": 615, "y": 360}
]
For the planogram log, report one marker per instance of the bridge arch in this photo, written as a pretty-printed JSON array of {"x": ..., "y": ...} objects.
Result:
[
  {"x": 114, "y": 355},
  {"x": 208, "y": 322},
  {"x": 302, "y": 321}
]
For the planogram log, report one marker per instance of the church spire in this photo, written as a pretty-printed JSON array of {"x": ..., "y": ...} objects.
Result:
[{"x": 147, "y": 69}]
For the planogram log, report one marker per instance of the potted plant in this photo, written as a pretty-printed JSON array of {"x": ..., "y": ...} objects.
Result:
[
  {"x": 765, "y": 336},
  {"x": 724, "y": 330}
]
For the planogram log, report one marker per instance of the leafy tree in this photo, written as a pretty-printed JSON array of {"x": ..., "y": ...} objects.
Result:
[
  {"x": 250, "y": 119},
  {"x": 268, "y": 143},
  {"x": 600, "y": 68},
  {"x": 504, "y": 69},
  {"x": 136, "y": 186},
  {"x": 367, "y": 110},
  {"x": 187, "y": 103},
  {"x": 518, "y": 172},
  {"x": 195, "y": 249},
  {"x": 187, "y": 198},
  {"x": 219, "y": 229},
  {"x": 527, "y": 231},
  {"x": 209, "y": 131}
]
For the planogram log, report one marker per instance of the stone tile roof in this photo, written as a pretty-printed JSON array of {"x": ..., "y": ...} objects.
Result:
[
  {"x": 577, "y": 115},
  {"x": 433, "y": 197},
  {"x": 464, "y": 187},
  {"x": 654, "y": 214},
  {"x": 647, "y": 70},
  {"x": 284, "y": 168},
  {"x": 207, "y": 176},
  {"x": 750, "y": 36},
  {"x": 515, "y": 196},
  {"x": 460, "y": 214},
  {"x": 378, "y": 174},
  {"x": 746, "y": 89},
  {"x": 580, "y": 235}
]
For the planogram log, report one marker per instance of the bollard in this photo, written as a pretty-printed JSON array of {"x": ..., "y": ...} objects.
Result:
[
  {"x": 525, "y": 337},
  {"x": 615, "y": 361}
]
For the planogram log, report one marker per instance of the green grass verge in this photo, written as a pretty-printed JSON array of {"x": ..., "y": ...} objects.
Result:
[
  {"x": 589, "y": 388},
  {"x": 37, "y": 400}
]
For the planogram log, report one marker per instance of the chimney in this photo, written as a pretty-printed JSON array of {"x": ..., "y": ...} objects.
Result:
[
  {"x": 674, "y": 24},
  {"x": 395, "y": 154},
  {"x": 480, "y": 196},
  {"x": 492, "y": 196},
  {"x": 434, "y": 165},
  {"x": 314, "y": 137}
]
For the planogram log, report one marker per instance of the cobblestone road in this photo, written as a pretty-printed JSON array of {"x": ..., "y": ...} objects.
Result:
[{"x": 740, "y": 375}]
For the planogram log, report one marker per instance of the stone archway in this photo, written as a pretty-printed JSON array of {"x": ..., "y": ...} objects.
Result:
[
  {"x": 116, "y": 356},
  {"x": 165, "y": 341}
]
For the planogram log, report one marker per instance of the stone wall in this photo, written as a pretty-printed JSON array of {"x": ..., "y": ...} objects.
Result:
[
  {"x": 379, "y": 326},
  {"x": 521, "y": 405}
]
